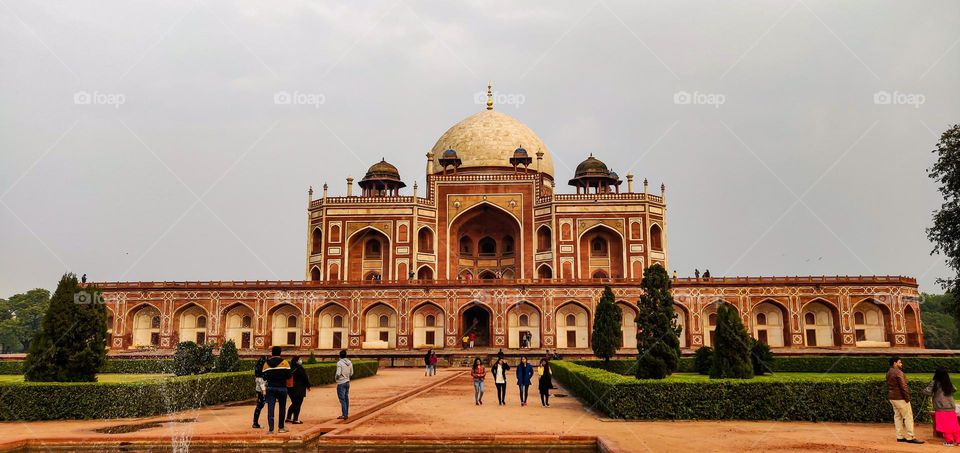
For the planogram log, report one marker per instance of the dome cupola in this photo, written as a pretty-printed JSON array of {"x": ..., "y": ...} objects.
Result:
[
  {"x": 381, "y": 180},
  {"x": 592, "y": 173}
]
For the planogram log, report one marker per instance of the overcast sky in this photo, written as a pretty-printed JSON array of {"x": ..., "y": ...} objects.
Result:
[{"x": 153, "y": 141}]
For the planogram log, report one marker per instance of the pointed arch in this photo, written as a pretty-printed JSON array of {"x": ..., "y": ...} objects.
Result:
[
  {"x": 380, "y": 326},
  {"x": 425, "y": 272},
  {"x": 601, "y": 249},
  {"x": 315, "y": 274},
  {"x": 238, "y": 321},
  {"x": 572, "y": 321},
  {"x": 911, "y": 325},
  {"x": 333, "y": 323},
  {"x": 768, "y": 321},
  {"x": 628, "y": 324},
  {"x": 286, "y": 322},
  {"x": 820, "y": 319},
  {"x": 656, "y": 237},
  {"x": 190, "y": 323},
  {"x": 368, "y": 250},
  {"x": 316, "y": 240},
  {"x": 708, "y": 316},
  {"x": 145, "y": 321},
  {"x": 425, "y": 237},
  {"x": 872, "y": 324},
  {"x": 544, "y": 272},
  {"x": 524, "y": 321},
  {"x": 488, "y": 225},
  {"x": 428, "y": 324},
  {"x": 683, "y": 321},
  {"x": 544, "y": 238}
]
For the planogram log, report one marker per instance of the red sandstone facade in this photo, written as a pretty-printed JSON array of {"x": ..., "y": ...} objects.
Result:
[{"x": 492, "y": 249}]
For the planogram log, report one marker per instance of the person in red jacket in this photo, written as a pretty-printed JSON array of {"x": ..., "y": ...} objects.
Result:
[{"x": 479, "y": 373}]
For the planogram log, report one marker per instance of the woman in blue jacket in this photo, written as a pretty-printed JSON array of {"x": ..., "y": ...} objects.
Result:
[{"x": 524, "y": 374}]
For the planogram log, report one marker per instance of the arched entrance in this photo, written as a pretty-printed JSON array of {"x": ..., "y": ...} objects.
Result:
[
  {"x": 601, "y": 253},
  {"x": 368, "y": 256},
  {"x": 476, "y": 320},
  {"x": 488, "y": 245}
]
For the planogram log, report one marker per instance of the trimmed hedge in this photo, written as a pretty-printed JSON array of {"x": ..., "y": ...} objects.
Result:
[
  {"x": 844, "y": 399},
  {"x": 806, "y": 364},
  {"x": 23, "y": 401},
  {"x": 124, "y": 366}
]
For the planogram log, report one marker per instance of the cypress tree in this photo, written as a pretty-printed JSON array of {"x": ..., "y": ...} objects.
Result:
[
  {"x": 228, "y": 360},
  {"x": 71, "y": 343},
  {"x": 732, "y": 344},
  {"x": 658, "y": 342},
  {"x": 607, "y": 326}
]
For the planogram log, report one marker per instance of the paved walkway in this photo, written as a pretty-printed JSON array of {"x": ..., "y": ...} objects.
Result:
[{"x": 402, "y": 405}]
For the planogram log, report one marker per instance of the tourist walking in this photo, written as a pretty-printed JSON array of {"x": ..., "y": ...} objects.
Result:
[
  {"x": 433, "y": 363},
  {"x": 899, "y": 395},
  {"x": 696, "y": 274},
  {"x": 524, "y": 374},
  {"x": 944, "y": 407},
  {"x": 276, "y": 372},
  {"x": 259, "y": 386},
  {"x": 297, "y": 388},
  {"x": 342, "y": 378},
  {"x": 478, "y": 373},
  {"x": 546, "y": 382},
  {"x": 500, "y": 354},
  {"x": 500, "y": 369},
  {"x": 473, "y": 339},
  {"x": 426, "y": 362}
]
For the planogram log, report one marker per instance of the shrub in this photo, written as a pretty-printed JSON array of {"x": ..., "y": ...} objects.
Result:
[
  {"x": 607, "y": 326},
  {"x": 703, "y": 360},
  {"x": 191, "y": 358},
  {"x": 312, "y": 358},
  {"x": 760, "y": 357},
  {"x": 228, "y": 360},
  {"x": 731, "y": 354},
  {"x": 806, "y": 364},
  {"x": 840, "y": 399},
  {"x": 658, "y": 345},
  {"x": 71, "y": 343},
  {"x": 48, "y": 401}
]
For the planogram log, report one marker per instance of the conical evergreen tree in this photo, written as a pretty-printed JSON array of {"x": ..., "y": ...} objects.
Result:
[
  {"x": 71, "y": 343},
  {"x": 607, "y": 326},
  {"x": 658, "y": 342},
  {"x": 731, "y": 349}
]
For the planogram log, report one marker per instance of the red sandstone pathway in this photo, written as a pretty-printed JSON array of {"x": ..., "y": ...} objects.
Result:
[
  {"x": 448, "y": 410},
  {"x": 229, "y": 423},
  {"x": 388, "y": 407}
]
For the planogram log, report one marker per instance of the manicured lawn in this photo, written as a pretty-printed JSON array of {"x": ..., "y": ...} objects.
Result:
[{"x": 110, "y": 378}]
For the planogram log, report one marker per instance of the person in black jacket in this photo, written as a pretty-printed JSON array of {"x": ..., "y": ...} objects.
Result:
[
  {"x": 301, "y": 385},
  {"x": 260, "y": 386},
  {"x": 276, "y": 372},
  {"x": 546, "y": 383}
]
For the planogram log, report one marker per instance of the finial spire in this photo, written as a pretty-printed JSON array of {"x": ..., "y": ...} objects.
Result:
[{"x": 489, "y": 95}]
